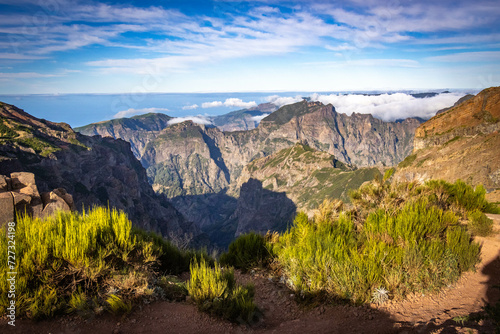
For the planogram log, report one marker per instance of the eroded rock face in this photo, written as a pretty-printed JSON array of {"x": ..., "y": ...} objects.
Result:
[
  {"x": 19, "y": 195},
  {"x": 460, "y": 143}
]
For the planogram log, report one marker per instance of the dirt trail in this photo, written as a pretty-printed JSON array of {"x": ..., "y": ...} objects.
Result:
[{"x": 280, "y": 314}]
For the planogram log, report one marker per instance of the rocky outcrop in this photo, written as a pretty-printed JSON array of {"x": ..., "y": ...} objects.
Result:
[
  {"x": 19, "y": 195},
  {"x": 461, "y": 143},
  {"x": 96, "y": 170}
]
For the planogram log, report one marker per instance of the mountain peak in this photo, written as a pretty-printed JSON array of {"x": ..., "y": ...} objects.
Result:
[{"x": 286, "y": 113}]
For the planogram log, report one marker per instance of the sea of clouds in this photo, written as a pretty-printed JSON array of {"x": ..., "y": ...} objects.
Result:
[{"x": 387, "y": 107}]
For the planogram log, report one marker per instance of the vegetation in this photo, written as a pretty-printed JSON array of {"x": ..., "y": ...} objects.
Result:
[
  {"x": 479, "y": 224},
  {"x": 407, "y": 161},
  {"x": 246, "y": 252},
  {"x": 394, "y": 240},
  {"x": 215, "y": 291},
  {"x": 94, "y": 261}
]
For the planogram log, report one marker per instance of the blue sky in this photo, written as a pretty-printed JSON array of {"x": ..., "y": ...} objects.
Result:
[{"x": 61, "y": 46}]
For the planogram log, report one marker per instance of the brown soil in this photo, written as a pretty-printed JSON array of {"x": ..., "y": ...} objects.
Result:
[{"x": 279, "y": 313}]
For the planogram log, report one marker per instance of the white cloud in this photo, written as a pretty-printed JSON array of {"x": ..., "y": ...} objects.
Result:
[
  {"x": 259, "y": 118},
  {"x": 389, "y": 107},
  {"x": 132, "y": 112},
  {"x": 195, "y": 119},
  {"x": 231, "y": 102},
  {"x": 484, "y": 56},
  {"x": 212, "y": 104},
  {"x": 280, "y": 101},
  {"x": 234, "y": 102},
  {"x": 26, "y": 75},
  {"x": 191, "y": 107}
]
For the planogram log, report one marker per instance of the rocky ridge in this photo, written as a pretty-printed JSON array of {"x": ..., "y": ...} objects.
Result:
[
  {"x": 461, "y": 143},
  {"x": 306, "y": 175}
]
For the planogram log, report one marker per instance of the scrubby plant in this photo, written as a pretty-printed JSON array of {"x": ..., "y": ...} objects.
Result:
[
  {"x": 403, "y": 237},
  {"x": 479, "y": 224},
  {"x": 70, "y": 260},
  {"x": 215, "y": 291},
  {"x": 247, "y": 251},
  {"x": 117, "y": 305}
]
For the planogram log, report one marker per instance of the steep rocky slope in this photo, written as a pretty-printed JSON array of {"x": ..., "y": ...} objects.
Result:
[
  {"x": 306, "y": 175},
  {"x": 137, "y": 130},
  {"x": 461, "y": 143},
  {"x": 95, "y": 170}
]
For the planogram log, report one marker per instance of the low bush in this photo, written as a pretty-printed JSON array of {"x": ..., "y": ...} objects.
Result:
[
  {"x": 215, "y": 291},
  {"x": 479, "y": 224},
  {"x": 71, "y": 263},
  {"x": 395, "y": 240},
  {"x": 246, "y": 252}
]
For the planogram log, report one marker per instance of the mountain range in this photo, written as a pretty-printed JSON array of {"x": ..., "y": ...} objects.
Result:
[
  {"x": 297, "y": 156},
  {"x": 249, "y": 170}
]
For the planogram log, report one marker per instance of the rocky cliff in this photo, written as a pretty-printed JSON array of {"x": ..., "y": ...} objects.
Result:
[
  {"x": 460, "y": 143},
  {"x": 97, "y": 171}
]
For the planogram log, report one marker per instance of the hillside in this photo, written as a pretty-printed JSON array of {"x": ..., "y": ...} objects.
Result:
[
  {"x": 95, "y": 170},
  {"x": 460, "y": 143},
  {"x": 306, "y": 175}
]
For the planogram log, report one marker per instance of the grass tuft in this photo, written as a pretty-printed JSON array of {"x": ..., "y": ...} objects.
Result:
[{"x": 215, "y": 291}]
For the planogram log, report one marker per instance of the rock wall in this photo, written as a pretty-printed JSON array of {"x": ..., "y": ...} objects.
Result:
[{"x": 19, "y": 195}]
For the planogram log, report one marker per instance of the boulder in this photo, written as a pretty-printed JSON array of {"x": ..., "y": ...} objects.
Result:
[
  {"x": 52, "y": 203},
  {"x": 24, "y": 183}
]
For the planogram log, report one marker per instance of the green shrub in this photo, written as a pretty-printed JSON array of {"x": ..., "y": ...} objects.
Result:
[
  {"x": 247, "y": 251},
  {"x": 118, "y": 306},
  {"x": 70, "y": 261},
  {"x": 479, "y": 224},
  {"x": 397, "y": 248},
  {"x": 215, "y": 291}
]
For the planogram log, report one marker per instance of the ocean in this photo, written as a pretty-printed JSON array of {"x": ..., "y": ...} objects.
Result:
[{"x": 82, "y": 109}]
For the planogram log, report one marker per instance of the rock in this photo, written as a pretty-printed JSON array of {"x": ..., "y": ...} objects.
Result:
[
  {"x": 5, "y": 184},
  {"x": 24, "y": 183},
  {"x": 53, "y": 203},
  {"x": 22, "y": 204},
  {"x": 68, "y": 198},
  {"x": 6, "y": 208}
]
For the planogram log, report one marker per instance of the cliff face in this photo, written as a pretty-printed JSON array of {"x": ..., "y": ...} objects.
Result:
[
  {"x": 461, "y": 143},
  {"x": 95, "y": 170}
]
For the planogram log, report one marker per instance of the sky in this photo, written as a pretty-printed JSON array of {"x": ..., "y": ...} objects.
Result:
[{"x": 92, "y": 47}]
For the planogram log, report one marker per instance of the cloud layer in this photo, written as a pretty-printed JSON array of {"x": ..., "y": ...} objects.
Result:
[
  {"x": 200, "y": 119},
  {"x": 231, "y": 102},
  {"x": 387, "y": 107}
]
